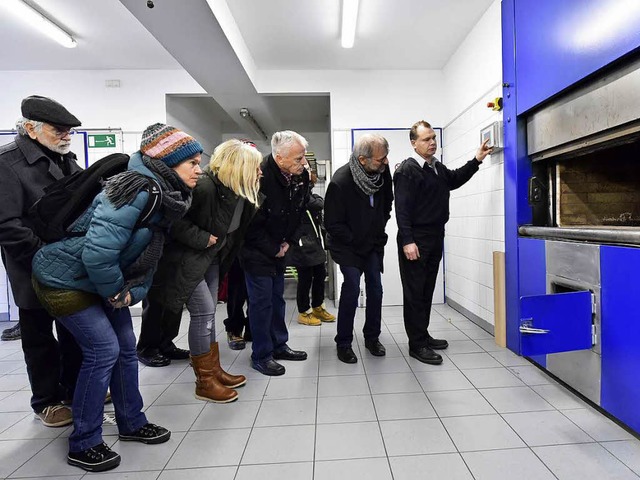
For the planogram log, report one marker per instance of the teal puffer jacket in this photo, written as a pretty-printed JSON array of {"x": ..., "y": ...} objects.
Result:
[{"x": 94, "y": 262}]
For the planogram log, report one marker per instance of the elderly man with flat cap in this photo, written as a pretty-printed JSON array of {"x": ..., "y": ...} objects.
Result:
[{"x": 39, "y": 155}]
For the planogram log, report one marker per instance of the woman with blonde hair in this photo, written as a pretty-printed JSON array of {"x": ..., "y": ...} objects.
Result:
[{"x": 205, "y": 243}]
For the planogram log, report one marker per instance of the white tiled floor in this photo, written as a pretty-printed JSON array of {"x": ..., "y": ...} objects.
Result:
[{"x": 483, "y": 414}]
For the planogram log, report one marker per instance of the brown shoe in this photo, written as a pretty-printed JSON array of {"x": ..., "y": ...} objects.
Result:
[
  {"x": 226, "y": 379},
  {"x": 308, "y": 318},
  {"x": 322, "y": 314},
  {"x": 208, "y": 387},
  {"x": 55, "y": 416}
]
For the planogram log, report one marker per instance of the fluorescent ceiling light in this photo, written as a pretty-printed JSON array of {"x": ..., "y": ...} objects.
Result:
[
  {"x": 39, "y": 21},
  {"x": 349, "y": 20}
]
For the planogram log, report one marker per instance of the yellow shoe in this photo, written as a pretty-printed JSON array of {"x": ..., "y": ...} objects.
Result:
[
  {"x": 307, "y": 318},
  {"x": 321, "y": 313}
]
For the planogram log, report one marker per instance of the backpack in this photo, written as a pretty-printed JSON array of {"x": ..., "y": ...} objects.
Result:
[{"x": 68, "y": 198}]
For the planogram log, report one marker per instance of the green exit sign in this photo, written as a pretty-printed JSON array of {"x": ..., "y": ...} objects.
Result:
[{"x": 102, "y": 141}]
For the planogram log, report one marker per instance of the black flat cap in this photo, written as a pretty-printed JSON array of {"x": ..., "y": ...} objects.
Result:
[{"x": 47, "y": 110}]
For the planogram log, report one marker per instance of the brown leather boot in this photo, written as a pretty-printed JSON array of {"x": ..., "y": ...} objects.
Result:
[
  {"x": 208, "y": 387},
  {"x": 226, "y": 379}
]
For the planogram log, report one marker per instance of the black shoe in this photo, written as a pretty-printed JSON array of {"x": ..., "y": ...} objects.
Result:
[
  {"x": 376, "y": 348},
  {"x": 436, "y": 344},
  {"x": 346, "y": 355},
  {"x": 287, "y": 354},
  {"x": 175, "y": 353},
  {"x": 247, "y": 336},
  {"x": 268, "y": 367},
  {"x": 148, "y": 433},
  {"x": 12, "y": 333},
  {"x": 153, "y": 360},
  {"x": 426, "y": 355},
  {"x": 94, "y": 459}
]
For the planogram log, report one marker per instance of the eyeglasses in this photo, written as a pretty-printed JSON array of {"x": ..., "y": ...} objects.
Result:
[{"x": 61, "y": 132}]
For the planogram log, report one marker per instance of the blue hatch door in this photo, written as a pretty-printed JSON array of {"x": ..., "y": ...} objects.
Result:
[{"x": 555, "y": 323}]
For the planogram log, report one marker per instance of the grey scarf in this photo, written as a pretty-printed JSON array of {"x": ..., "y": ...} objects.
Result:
[{"x": 369, "y": 183}]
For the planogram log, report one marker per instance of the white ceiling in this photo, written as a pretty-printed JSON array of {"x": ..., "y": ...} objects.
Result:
[{"x": 280, "y": 34}]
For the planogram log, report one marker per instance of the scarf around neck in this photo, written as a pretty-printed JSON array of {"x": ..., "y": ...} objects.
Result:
[{"x": 369, "y": 183}]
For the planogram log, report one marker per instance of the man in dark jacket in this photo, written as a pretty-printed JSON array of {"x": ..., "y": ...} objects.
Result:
[
  {"x": 285, "y": 185},
  {"x": 357, "y": 207},
  {"x": 422, "y": 187},
  {"x": 39, "y": 155}
]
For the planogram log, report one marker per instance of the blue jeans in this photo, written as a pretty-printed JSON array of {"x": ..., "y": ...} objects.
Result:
[
  {"x": 349, "y": 301},
  {"x": 266, "y": 315},
  {"x": 108, "y": 345},
  {"x": 202, "y": 308}
]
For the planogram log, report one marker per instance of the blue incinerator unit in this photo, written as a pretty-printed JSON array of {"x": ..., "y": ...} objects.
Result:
[{"x": 571, "y": 95}]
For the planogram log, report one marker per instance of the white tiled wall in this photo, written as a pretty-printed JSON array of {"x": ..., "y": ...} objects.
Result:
[{"x": 476, "y": 227}]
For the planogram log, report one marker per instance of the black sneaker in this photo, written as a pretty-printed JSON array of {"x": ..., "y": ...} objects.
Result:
[
  {"x": 95, "y": 459},
  {"x": 148, "y": 433},
  {"x": 12, "y": 333}
]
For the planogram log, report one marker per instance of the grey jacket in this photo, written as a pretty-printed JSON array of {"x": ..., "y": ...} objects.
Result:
[{"x": 25, "y": 171}]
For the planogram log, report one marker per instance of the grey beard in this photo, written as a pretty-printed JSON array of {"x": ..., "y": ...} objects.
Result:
[{"x": 61, "y": 149}]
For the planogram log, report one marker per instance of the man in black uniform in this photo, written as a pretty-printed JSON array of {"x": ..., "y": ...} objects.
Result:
[
  {"x": 422, "y": 187},
  {"x": 39, "y": 155},
  {"x": 357, "y": 207}
]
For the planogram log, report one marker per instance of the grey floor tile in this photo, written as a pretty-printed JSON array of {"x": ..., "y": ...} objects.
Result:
[
  {"x": 343, "y": 385},
  {"x": 214, "y": 473},
  {"x": 301, "y": 471},
  {"x": 450, "y": 335},
  {"x": 415, "y": 437},
  {"x": 435, "y": 381},
  {"x": 546, "y": 428},
  {"x": 532, "y": 375},
  {"x": 417, "y": 366},
  {"x": 484, "y": 432},
  {"x": 346, "y": 409},
  {"x": 492, "y": 377},
  {"x": 254, "y": 389},
  {"x": 198, "y": 449},
  {"x": 509, "y": 359},
  {"x": 17, "y": 402},
  {"x": 514, "y": 464},
  {"x": 8, "y": 419},
  {"x": 459, "y": 402},
  {"x": 13, "y": 383},
  {"x": 177, "y": 394},
  {"x": 474, "y": 360},
  {"x": 627, "y": 451},
  {"x": 308, "y": 368},
  {"x": 283, "y": 388},
  {"x": 116, "y": 475},
  {"x": 378, "y": 365},
  {"x": 15, "y": 453},
  {"x": 227, "y": 415},
  {"x": 280, "y": 445},
  {"x": 29, "y": 428},
  {"x": 449, "y": 466},
  {"x": 559, "y": 397},
  {"x": 589, "y": 461},
  {"x": 489, "y": 345},
  {"x": 176, "y": 418},
  {"x": 160, "y": 376},
  {"x": 599, "y": 427},
  {"x": 463, "y": 346},
  {"x": 369, "y": 468},
  {"x": 334, "y": 367},
  {"x": 394, "y": 383},
  {"x": 298, "y": 411},
  {"x": 138, "y": 457},
  {"x": 348, "y": 441},
  {"x": 150, "y": 394},
  {"x": 515, "y": 399},
  {"x": 403, "y": 406}
]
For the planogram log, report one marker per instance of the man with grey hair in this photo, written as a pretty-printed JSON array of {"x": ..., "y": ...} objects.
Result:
[
  {"x": 39, "y": 155},
  {"x": 284, "y": 185},
  {"x": 357, "y": 207}
]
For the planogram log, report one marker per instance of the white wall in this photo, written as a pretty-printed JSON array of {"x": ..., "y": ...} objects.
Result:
[
  {"x": 139, "y": 102},
  {"x": 476, "y": 228}
]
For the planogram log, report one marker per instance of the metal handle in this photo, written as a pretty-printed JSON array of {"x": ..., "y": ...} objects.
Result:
[{"x": 526, "y": 326}]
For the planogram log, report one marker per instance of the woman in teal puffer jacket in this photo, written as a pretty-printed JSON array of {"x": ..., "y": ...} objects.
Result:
[{"x": 88, "y": 282}]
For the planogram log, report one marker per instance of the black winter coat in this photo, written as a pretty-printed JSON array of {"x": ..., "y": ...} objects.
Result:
[
  {"x": 354, "y": 227},
  {"x": 309, "y": 251},
  {"x": 25, "y": 171},
  {"x": 276, "y": 221},
  {"x": 186, "y": 258}
]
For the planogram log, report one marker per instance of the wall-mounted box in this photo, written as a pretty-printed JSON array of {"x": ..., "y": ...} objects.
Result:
[{"x": 495, "y": 135}]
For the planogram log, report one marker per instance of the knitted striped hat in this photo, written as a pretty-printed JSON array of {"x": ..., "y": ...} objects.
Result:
[{"x": 168, "y": 144}]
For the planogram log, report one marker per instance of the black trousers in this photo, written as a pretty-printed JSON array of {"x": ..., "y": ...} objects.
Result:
[
  {"x": 418, "y": 283},
  {"x": 237, "y": 296},
  {"x": 310, "y": 278},
  {"x": 52, "y": 365},
  {"x": 160, "y": 326}
]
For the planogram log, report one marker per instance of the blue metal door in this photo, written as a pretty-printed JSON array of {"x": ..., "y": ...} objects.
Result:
[{"x": 555, "y": 323}]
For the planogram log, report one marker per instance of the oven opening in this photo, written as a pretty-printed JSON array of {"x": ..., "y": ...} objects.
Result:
[{"x": 564, "y": 288}]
